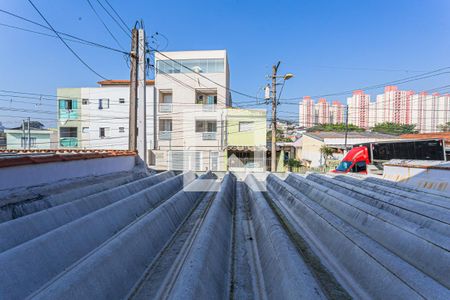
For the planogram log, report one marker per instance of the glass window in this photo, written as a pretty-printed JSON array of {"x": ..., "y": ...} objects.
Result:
[
  {"x": 166, "y": 98},
  {"x": 121, "y": 129},
  {"x": 165, "y": 125},
  {"x": 103, "y": 132},
  {"x": 343, "y": 166},
  {"x": 103, "y": 103},
  {"x": 85, "y": 101},
  {"x": 121, "y": 100},
  {"x": 245, "y": 126},
  {"x": 205, "y": 126},
  {"x": 85, "y": 129},
  {"x": 68, "y": 132},
  {"x": 189, "y": 65}
]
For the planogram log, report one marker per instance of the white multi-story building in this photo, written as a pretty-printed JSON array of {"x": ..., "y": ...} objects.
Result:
[
  {"x": 192, "y": 94},
  {"x": 98, "y": 117},
  {"x": 358, "y": 109}
]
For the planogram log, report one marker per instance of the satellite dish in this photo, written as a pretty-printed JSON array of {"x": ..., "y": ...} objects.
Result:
[{"x": 197, "y": 69}]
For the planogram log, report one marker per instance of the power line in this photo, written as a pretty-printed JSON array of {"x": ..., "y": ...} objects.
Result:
[
  {"x": 104, "y": 24},
  {"x": 115, "y": 21},
  {"x": 115, "y": 12},
  {"x": 61, "y": 33},
  {"x": 64, "y": 42}
]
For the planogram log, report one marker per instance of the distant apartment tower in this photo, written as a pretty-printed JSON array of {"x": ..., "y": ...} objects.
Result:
[
  {"x": 337, "y": 112},
  {"x": 394, "y": 106},
  {"x": 358, "y": 109},
  {"x": 306, "y": 112},
  {"x": 322, "y": 109}
]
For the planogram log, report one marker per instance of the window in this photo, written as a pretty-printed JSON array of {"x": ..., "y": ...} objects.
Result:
[
  {"x": 85, "y": 101},
  {"x": 206, "y": 97},
  {"x": 190, "y": 65},
  {"x": 24, "y": 142},
  {"x": 165, "y": 124},
  {"x": 68, "y": 104},
  {"x": 121, "y": 100},
  {"x": 85, "y": 130},
  {"x": 360, "y": 166},
  {"x": 205, "y": 126},
  {"x": 245, "y": 126},
  {"x": 103, "y": 103},
  {"x": 121, "y": 129},
  {"x": 103, "y": 132},
  {"x": 68, "y": 132},
  {"x": 165, "y": 97}
]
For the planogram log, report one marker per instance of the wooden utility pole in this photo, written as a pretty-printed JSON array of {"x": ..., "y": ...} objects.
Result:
[
  {"x": 273, "y": 156},
  {"x": 132, "y": 138},
  {"x": 141, "y": 96}
]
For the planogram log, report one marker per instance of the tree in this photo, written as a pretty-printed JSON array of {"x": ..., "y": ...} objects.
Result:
[
  {"x": 394, "y": 128},
  {"x": 335, "y": 127},
  {"x": 279, "y": 136},
  {"x": 444, "y": 127},
  {"x": 327, "y": 152}
]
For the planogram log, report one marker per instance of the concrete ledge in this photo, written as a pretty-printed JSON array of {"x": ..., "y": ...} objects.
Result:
[
  {"x": 20, "y": 230},
  {"x": 28, "y": 266},
  {"x": 113, "y": 268}
]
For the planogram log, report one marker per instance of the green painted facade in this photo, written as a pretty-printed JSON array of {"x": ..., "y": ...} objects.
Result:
[
  {"x": 69, "y": 115},
  {"x": 246, "y": 127},
  {"x": 40, "y": 139}
]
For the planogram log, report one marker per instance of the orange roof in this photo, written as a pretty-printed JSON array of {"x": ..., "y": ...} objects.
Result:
[
  {"x": 57, "y": 155},
  {"x": 121, "y": 82},
  {"x": 432, "y": 135}
]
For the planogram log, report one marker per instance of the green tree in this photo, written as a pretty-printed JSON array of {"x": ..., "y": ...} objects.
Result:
[
  {"x": 394, "y": 128},
  {"x": 327, "y": 152},
  {"x": 335, "y": 127},
  {"x": 444, "y": 127},
  {"x": 279, "y": 136}
]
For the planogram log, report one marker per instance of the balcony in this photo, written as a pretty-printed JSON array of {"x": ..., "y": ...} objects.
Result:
[
  {"x": 165, "y": 135},
  {"x": 68, "y": 142},
  {"x": 165, "y": 107},
  {"x": 208, "y": 136},
  {"x": 209, "y": 107}
]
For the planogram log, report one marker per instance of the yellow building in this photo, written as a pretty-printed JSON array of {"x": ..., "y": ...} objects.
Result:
[{"x": 245, "y": 139}]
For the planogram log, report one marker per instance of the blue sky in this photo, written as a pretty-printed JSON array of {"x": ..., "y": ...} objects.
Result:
[{"x": 330, "y": 46}]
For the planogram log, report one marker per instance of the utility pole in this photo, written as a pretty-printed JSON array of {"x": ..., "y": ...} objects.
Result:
[
  {"x": 29, "y": 134},
  {"x": 346, "y": 128},
  {"x": 273, "y": 165},
  {"x": 23, "y": 135},
  {"x": 132, "y": 138},
  {"x": 141, "y": 96}
]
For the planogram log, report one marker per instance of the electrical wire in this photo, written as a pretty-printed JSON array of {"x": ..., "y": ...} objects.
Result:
[
  {"x": 61, "y": 33},
  {"x": 64, "y": 42}
]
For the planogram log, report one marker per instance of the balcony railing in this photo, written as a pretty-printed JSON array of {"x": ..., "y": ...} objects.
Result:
[
  {"x": 165, "y": 107},
  {"x": 165, "y": 135},
  {"x": 208, "y": 136},
  {"x": 68, "y": 142},
  {"x": 209, "y": 107}
]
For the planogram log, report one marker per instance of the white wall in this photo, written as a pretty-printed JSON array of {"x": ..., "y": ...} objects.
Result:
[
  {"x": 114, "y": 117},
  {"x": 45, "y": 173}
]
